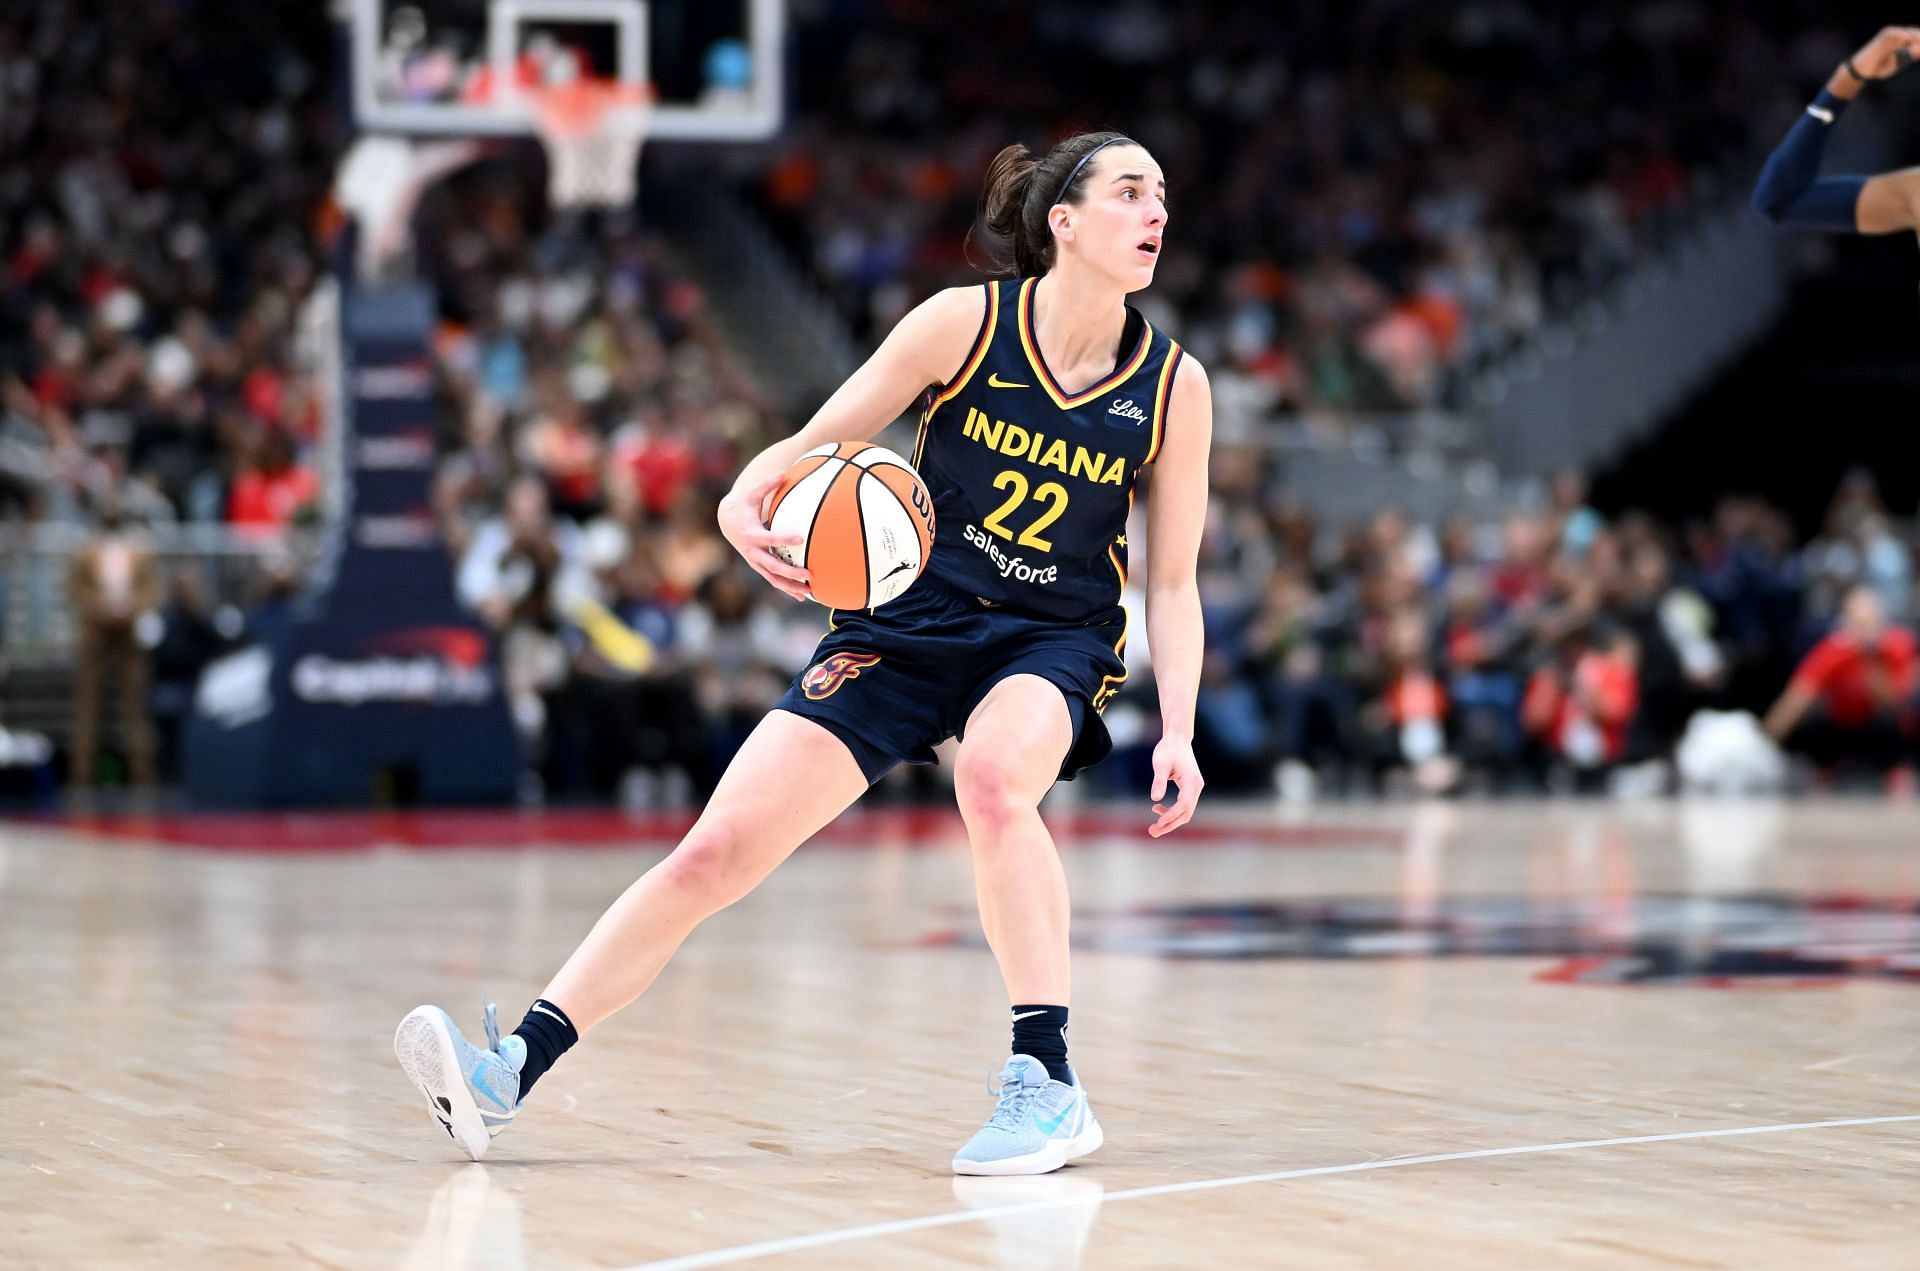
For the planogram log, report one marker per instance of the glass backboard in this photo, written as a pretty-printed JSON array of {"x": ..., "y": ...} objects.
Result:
[{"x": 458, "y": 67}]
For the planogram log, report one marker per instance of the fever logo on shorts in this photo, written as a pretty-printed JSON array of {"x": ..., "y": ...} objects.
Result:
[{"x": 825, "y": 679}]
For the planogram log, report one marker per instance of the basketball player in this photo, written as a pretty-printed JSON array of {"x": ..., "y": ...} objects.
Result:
[
  {"x": 1049, "y": 396},
  {"x": 1791, "y": 191}
]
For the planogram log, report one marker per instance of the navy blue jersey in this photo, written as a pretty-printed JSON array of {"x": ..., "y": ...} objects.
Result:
[{"x": 1032, "y": 484}]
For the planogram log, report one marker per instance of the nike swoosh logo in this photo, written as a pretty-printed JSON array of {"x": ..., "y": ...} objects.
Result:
[
  {"x": 1048, "y": 1127},
  {"x": 994, "y": 381},
  {"x": 473, "y": 1079},
  {"x": 549, "y": 1014},
  {"x": 1029, "y": 1014}
]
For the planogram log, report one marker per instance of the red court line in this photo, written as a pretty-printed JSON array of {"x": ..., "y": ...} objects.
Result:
[{"x": 447, "y": 829}]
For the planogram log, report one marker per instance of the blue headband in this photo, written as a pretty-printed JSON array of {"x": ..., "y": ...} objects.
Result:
[{"x": 1110, "y": 141}]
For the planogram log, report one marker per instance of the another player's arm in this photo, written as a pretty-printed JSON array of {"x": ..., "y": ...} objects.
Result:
[
  {"x": 927, "y": 347},
  {"x": 1176, "y": 514},
  {"x": 1790, "y": 190}
]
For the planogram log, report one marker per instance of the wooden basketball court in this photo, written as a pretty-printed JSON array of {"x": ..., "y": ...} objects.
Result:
[{"x": 1529, "y": 1035}]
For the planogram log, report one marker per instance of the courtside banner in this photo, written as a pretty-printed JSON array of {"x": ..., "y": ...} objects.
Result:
[
  {"x": 374, "y": 686},
  {"x": 340, "y": 713}
]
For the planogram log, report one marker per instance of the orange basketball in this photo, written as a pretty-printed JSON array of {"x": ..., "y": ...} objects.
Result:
[{"x": 867, "y": 520}]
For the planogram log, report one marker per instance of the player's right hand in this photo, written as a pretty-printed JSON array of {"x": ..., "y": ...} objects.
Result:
[
  {"x": 740, "y": 525},
  {"x": 1879, "y": 58}
]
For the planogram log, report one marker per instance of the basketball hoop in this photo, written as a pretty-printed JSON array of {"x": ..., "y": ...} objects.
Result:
[{"x": 593, "y": 130}]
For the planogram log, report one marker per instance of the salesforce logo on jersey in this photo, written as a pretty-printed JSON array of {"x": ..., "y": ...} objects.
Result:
[{"x": 1011, "y": 567}]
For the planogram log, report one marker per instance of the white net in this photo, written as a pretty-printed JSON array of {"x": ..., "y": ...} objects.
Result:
[
  {"x": 598, "y": 170},
  {"x": 593, "y": 134}
]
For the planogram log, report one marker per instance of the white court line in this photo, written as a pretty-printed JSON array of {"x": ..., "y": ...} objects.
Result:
[{"x": 792, "y": 1244}]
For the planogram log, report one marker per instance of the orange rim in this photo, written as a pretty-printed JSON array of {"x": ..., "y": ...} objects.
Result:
[{"x": 580, "y": 109}]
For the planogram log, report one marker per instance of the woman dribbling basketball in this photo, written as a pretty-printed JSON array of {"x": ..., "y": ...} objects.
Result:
[{"x": 1050, "y": 395}]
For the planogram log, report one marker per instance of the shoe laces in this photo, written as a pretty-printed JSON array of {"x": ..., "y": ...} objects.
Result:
[
  {"x": 1015, "y": 1098},
  {"x": 493, "y": 1027}
]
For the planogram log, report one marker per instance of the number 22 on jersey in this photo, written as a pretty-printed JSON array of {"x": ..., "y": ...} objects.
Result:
[{"x": 1051, "y": 493}]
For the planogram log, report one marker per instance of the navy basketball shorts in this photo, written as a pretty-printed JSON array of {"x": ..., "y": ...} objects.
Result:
[{"x": 894, "y": 682}]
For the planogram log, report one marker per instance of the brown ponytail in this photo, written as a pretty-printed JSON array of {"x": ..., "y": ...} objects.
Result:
[{"x": 1021, "y": 190}]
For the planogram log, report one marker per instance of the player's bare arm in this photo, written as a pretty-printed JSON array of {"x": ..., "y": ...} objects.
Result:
[
  {"x": 1176, "y": 515},
  {"x": 1790, "y": 190},
  {"x": 926, "y": 347}
]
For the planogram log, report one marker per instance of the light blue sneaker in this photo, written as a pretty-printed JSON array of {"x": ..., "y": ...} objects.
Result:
[
  {"x": 1038, "y": 1125},
  {"x": 472, "y": 1093}
]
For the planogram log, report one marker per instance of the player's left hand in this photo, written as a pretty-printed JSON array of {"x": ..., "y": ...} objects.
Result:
[
  {"x": 1888, "y": 53},
  {"x": 1173, "y": 761}
]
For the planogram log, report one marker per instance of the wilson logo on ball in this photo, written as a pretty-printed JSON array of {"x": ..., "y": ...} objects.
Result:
[
  {"x": 923, "y": 505},
  {"x": 825, "y": 679}
]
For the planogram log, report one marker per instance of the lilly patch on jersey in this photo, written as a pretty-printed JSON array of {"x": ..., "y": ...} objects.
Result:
[{"x": 825, "y": 678}]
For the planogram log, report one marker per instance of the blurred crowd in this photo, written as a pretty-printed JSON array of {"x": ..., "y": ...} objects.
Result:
[
  {"x": 598, "y": 414},
  {"x": 1361, "y": 209},
  {"x": 1556, "y": 649},
  {"x": 164, "y": 165},
  {"x": 159, "y": 239},
  {"x": 1366, "y": 198}
]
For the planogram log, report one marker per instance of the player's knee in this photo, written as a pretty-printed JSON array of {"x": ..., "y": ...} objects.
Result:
[
  {"x": 711, "y": 863},
  {"x": 993, "y": 789}
]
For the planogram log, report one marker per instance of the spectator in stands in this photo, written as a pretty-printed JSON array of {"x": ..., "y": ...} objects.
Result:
[
  {"x": 273, "y": 490},
  {"x": 1231, "y": 734},
  {"x": 650, "y": 466},
  {"x": 1680, "y": 666},
  {"x": 1520, "y": 578},
  {"x": 1405, "y": 725},
  {"x": 623, "y": 721},
  {"x": 471, "y": 481},
  {"x": 189, "y": 633},
  {"x": 113, "y": 581},
  {"x": 733, "y": 639},
  {"x": 1577, "y": 522},
  {"x": 565, "y": 450},
  {"x": 1745, "y": 568},
  {"x": 1580, "y": 704},
  {"x": 1308, "y": 706},
  {"x": 517, "y": 553},
  {"x": 688, "y": 550},
  {"x": 275, "y": 596},
  {"x": 175, "y": 442},
  {"x": 670, "y": 732},
  {"x": 1479, "y": 647},
  {"x": 1851, "y": 702}
]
